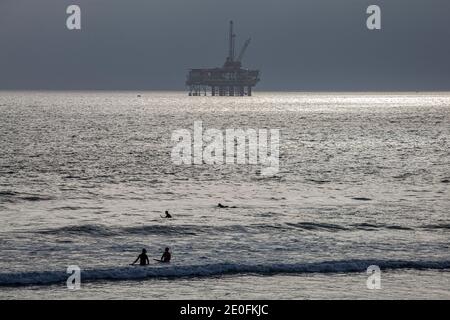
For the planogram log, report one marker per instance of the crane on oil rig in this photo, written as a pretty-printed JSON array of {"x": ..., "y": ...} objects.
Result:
[
  {"x": 241, "y": 54},
  {"x": 230, "y": 80}
]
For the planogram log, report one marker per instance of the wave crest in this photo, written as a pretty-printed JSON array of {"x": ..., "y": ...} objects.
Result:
[{"x": 209, "y": 270}]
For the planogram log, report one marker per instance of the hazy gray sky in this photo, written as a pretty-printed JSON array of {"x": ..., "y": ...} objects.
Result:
[{"x": 297, "y": 44}]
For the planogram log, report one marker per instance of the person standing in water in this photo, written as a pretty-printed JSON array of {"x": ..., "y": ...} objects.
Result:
[
  {"x": 166, "y": 255},
  {"x": 143, "y": 258}
]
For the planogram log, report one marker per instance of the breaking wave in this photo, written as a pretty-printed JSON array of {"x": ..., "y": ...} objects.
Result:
[
  {"x": 14, "y": 197},
  {"x": 95, "y": 230},
  {"x": 211, "y": 270}
]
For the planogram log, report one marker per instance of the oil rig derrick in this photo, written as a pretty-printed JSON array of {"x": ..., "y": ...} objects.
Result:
[{"x": 229, "y": 80}]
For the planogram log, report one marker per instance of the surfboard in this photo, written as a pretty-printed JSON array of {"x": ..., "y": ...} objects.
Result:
[{"x": 161, "y": 261}]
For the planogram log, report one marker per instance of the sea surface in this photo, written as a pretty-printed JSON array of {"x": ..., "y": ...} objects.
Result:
[{"x": 364, "y": 179}]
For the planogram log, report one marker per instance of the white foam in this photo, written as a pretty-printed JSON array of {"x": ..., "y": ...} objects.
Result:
[{"x": 176, "y": 271}]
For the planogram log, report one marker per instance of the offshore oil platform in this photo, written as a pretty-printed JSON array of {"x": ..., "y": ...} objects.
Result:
[{"x": 229, "y": 80}]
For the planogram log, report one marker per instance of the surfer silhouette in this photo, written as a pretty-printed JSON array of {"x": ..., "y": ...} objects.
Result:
[
  {"x": 166, "y": 256},
  {"x": 222, "y": 206},
  {"x": 143, "y": 258},
  {"x": 168, "y": 215}
]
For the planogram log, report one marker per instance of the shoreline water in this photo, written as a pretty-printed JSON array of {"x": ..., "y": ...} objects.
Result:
[{"x": 398, "y": 285}]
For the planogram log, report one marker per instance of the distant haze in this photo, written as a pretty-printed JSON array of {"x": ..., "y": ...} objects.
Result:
[{"x": 308, "y": 45}]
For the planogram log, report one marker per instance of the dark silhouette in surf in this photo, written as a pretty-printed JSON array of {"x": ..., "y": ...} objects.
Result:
[
  {"x": 167, "y": 216},
  {"x": 143, "y": 258},
  {"x": 166, "y": 255},
  {"x": 224, "y": 206}
]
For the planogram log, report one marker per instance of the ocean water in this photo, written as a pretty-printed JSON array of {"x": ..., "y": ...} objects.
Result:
[{"x": 363, "y": 180}]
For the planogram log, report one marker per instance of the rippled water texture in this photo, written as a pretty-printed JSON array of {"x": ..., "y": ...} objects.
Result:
[{"x": 85, "y": 176}]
